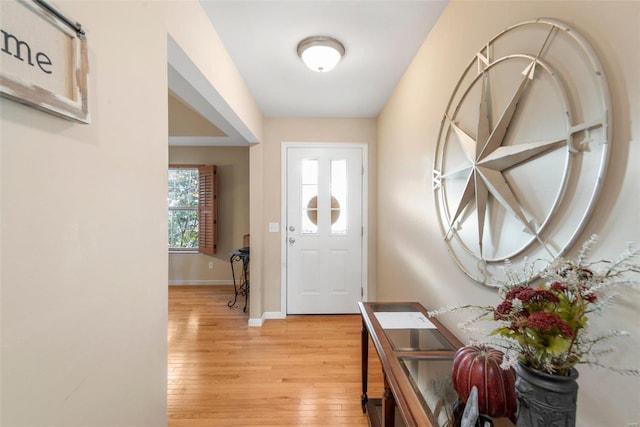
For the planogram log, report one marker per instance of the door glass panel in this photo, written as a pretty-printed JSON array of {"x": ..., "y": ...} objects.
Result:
[
  {"x": 338, "y": 196},
  {"x": 310, "y": 215},
  {"x": 309, "y": 196},
  {"x": 310, "y": 171}
]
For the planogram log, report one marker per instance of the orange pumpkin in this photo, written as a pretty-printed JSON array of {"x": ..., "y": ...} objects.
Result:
[{"x": 478, "y": 365}]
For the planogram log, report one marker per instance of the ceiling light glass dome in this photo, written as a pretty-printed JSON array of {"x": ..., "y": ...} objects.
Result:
[{"x": 320, "y": 53}]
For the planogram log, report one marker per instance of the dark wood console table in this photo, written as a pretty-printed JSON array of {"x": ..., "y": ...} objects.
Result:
[{"x": 416, "y": 353}]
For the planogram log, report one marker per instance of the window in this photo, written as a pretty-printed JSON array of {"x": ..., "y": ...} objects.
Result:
[
  {"x": 192, "y": 209},
  {"x": 183, "y": 208}
]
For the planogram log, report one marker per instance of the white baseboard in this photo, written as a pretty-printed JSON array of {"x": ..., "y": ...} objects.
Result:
[
  {"x": 265, "y": 316},
  {"x": 256, "y": 322},
  {"x": 274, "y": 315},
  {"x": 200, "y": 282}
]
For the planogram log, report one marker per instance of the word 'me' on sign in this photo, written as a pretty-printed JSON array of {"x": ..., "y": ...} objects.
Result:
[{"x": 43, "y": 62}]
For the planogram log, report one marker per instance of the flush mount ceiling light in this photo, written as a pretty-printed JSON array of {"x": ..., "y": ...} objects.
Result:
[{"x": 320, "y": 53}]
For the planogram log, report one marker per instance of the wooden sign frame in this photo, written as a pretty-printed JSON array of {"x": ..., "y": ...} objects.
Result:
[{"x": 72, "y": 105}]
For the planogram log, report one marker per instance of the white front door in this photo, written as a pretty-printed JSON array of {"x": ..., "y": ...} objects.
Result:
[{"x": 324, "y": 229}]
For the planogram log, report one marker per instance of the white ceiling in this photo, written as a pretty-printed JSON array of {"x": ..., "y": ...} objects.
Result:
[{"x": 380, "y": 37}]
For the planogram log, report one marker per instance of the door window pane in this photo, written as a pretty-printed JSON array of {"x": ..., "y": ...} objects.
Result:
[
  {"x": 309, "y": 196},
  {"x": 339, "y": 196}
]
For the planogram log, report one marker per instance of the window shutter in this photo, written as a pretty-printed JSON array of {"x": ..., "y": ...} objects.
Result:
[{"x": 207, "y": 210}]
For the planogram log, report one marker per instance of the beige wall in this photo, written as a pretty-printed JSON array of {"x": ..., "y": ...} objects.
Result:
[
  {"x": 184, "y": 120},
  {"x": 256, "y": 226},
  {"x": 277, "y": 131},
  {"x": 83, "y": 253},
  {"x": 190, "y": 27},
  {"x": 83, "y": 309},
  {"x": 413, "y": 263},
  {"x": 233, "y": 213}
]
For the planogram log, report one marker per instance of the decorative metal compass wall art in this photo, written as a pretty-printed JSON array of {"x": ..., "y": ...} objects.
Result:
[{"x": 522, "y": 150}]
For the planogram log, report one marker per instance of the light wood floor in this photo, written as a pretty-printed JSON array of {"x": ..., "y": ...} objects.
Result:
[{"x": 301, "y": 371}]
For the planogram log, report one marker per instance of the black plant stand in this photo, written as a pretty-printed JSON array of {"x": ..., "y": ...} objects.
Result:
[{"x": 241, "y": 284}]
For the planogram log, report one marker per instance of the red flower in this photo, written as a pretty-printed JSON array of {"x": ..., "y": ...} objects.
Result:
[
  {"x": 545, "y": 296},
  {"x": 503, "y": 310},
  {"x": 529, "y": 295},
  {"x": 585, "y": 274},
  {"x": 587, "y": 295},
  {"x": 558, "y": 287},
  {"x": 546, "y": 322},
  {"x": 526, "y": 295},
  {"x": 514, "y": 292}
]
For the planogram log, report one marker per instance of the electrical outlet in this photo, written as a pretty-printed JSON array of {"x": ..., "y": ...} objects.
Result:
[{"x": 210, "y": 265}]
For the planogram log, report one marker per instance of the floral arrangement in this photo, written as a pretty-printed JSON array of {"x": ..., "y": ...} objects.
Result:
[{"x": 543, "y": 323}]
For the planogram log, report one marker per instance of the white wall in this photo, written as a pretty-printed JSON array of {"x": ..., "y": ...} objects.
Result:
[
  {"x": 83, "y": 253},
  {"x": 413, "y": 263}
]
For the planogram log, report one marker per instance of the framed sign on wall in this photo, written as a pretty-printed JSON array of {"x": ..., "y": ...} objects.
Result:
[{"x": 43, "y": 59}]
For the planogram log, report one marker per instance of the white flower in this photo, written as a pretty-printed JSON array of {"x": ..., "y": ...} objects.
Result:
[{"x": 516, "y": 306}]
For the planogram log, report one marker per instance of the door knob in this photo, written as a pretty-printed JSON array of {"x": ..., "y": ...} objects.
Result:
[
  {"x": 292, "y": 240},
  {"x": 292, "y": 228}
]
